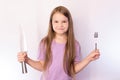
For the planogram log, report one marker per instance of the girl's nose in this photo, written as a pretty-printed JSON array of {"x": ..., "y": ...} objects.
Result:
[{"x": 60, "y": 24}]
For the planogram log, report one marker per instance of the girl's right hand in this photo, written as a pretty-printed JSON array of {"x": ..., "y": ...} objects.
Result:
[{"x": 22, "y": 56}]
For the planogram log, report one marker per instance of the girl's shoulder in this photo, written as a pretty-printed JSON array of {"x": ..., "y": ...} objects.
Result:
[
  {"x": 77, "y": 44},
  {"x": 42, "y": 42}
]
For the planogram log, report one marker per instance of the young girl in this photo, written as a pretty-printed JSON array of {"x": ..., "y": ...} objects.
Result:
[{"x": 59, "y": 52}]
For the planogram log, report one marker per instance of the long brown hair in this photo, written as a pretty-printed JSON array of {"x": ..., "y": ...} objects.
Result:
[{"x": 69, "y": 56}]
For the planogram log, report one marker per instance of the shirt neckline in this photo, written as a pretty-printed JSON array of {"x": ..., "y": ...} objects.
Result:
[{"x": 58, "y": 42}]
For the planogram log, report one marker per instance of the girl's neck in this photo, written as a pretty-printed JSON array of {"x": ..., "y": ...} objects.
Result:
[{"x": 60, "y": 38}]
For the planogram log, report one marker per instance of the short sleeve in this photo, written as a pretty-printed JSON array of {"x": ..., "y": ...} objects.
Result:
[
  {"x": 41, "y": 51},
  {"x": 78, "y": 52}
]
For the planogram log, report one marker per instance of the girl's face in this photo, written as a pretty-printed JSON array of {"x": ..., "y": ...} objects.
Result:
[{"x": 60, "y": 23}]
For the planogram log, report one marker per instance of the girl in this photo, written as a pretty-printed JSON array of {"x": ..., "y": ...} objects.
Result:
[{"x": 59, "y": 52}]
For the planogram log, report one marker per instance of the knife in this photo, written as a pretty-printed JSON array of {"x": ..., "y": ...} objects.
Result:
[{"x": 23, "y": 48}]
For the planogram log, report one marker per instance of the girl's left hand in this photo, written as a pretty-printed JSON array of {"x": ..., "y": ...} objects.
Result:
[{"x": 93, "y": 55}]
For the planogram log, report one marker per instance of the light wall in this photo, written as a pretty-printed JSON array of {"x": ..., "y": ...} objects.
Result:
[{"x": 89, "y": 16}]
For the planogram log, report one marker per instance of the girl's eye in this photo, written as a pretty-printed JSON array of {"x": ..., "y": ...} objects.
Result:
[
  {"x": 55, "y": 21},
  {"x": 64, "y": 21}
]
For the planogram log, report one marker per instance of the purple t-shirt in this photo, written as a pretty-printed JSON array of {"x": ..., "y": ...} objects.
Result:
[{"x": 56, "y": 70}]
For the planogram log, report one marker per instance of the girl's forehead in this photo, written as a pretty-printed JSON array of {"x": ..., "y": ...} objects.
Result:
[{"x": 58, "y": 15}]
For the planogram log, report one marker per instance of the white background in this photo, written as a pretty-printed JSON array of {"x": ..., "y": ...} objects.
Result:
[{"x": 89, "y": 16}]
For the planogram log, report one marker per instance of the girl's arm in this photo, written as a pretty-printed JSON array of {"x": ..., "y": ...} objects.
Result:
[
  {"x": 91, "y": 57},
  {"x": 38, "y": 65}
]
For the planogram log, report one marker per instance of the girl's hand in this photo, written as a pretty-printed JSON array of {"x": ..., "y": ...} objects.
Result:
[
  {"x": 93, "y": 55},
  {"x": 22, "y": 56}
]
